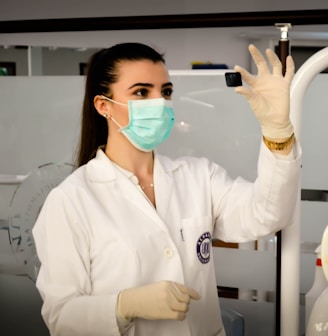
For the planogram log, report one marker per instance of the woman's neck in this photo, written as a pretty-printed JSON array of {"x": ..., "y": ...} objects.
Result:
[{"x": 128, "y": 157}]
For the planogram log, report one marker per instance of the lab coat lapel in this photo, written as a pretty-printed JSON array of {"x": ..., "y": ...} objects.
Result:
[
  {"x": 164, "y": 184},
  {"x": 135, "y": 196},
  {"x": 101, "y": 172}
]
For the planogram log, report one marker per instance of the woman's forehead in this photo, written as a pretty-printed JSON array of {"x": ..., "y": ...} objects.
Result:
[{"x": 142, "y": 71}]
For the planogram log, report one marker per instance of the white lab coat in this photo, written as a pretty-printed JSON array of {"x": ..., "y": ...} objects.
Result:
[{"x": 98, "y": 234}]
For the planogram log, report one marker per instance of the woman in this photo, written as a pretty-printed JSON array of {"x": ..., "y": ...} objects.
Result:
[{"x": 125, "y": 241}]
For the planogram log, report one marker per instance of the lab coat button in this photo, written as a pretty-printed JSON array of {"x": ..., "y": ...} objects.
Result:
[{"x": 168, "y": 252}]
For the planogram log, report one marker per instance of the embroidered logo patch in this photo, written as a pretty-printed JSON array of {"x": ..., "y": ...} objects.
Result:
[{"x": 204, "y": 247}]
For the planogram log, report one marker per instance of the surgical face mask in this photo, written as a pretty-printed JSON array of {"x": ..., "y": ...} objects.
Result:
[{"x": 150, "y": 122}]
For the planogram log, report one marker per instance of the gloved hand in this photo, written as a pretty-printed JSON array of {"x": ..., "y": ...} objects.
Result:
[
  {"x": 268, "y": 94},
  {"x": 157, "y": 301}
]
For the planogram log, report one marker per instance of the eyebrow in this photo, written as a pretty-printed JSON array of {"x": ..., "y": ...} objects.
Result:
[{"x": 149, "y": 85}]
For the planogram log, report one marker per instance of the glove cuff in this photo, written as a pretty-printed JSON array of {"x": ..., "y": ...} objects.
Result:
[
  {"x": 274, "y": 132},
  {"x": 120, "y": 309}
]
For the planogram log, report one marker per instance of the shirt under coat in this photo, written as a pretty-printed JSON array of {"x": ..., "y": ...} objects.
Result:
[{"x": 97, "y": 234}]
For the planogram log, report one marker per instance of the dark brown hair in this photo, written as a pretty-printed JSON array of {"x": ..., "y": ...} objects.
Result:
[{"x": 101, "y": 73}]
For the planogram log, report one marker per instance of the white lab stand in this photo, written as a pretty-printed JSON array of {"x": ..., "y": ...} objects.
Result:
[{"x": 290, "y": 257}]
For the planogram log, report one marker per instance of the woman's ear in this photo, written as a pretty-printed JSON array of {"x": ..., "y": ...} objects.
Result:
[{"x": 101, "y": 105}]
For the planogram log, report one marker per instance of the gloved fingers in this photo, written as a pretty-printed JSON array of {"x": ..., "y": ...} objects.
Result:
[
  {"x": 191, "y": 293},
  {"x": 163, "y": 300},
  {"x": 245, "y": 91},
  {"x": 176, "y": 315},
  {"x": 179, "y": 310},
  {"x": 245, "y": 75},
  {"x": 179, "y": 301},
  {"x": 290, "y": 69},
  {"x": 179, "y": 296},
  {"x": 179, "y": 306},
  {"x": 180, "y": 316},
  {"x": 261, "y": 63},
  {"x": 275, "y": 62}
]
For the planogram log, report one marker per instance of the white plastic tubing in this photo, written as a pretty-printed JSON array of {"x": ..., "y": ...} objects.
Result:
[{"x": 290, "y": 241}]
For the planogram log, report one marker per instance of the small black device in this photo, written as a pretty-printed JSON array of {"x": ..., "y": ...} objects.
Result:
[{"x": 233, "y": 79}]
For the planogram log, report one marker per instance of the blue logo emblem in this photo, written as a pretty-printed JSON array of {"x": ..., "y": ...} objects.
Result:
[{"x": 204, "y": 247}]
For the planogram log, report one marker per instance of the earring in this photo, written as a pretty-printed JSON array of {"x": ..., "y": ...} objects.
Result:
[{"x": 105, "y": 115}]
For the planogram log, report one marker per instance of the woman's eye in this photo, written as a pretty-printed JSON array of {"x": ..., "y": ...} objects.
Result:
[
  {"x": 167, "y": 92},
  {"x": 141, "y": 92}
]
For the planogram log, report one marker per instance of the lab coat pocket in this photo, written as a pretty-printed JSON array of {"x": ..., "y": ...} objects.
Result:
[{"x": 196, "y": 236}]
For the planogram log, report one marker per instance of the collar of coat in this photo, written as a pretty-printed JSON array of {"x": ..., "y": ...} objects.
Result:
[{"x": 101, "y": 168}]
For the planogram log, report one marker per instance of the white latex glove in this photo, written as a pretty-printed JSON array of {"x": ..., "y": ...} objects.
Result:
[
  {"x": 269, "y": 93},
  {"x": 157, "y": 301}
]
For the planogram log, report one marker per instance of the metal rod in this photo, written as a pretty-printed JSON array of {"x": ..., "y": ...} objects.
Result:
[
  {"x": 283, "y": 43},
  {"x": 283, "y": 52}
]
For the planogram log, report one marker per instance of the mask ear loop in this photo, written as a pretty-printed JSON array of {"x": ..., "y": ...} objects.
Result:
[
  {"x": 113, "y": 101},
  {"x": 105, "y": 115},
  {"x": 115, "y": 122}
]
